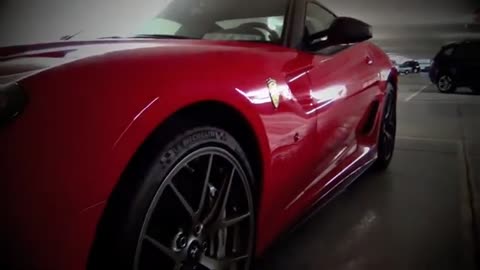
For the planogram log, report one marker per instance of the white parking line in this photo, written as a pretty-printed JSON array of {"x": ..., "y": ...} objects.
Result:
[
  {"x": 428, "y": 139},
  {"x": 416, "y": 93}
]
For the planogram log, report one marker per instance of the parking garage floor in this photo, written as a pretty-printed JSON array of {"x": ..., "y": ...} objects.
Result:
[{"x": 419, "y": 214}]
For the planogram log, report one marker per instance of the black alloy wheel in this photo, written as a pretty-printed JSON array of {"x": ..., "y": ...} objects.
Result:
[
  {"x": 446, "y": 84},
  {"x": 194, "y": 208},
  {"x": 386, "y": 140}
]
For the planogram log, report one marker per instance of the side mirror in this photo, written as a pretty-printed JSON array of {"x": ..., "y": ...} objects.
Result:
[{"x": 343, "y": 30}]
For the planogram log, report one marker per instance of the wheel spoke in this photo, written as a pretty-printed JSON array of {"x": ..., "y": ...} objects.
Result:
[
  {"x": 182, "y": 199},
  {"x": 205, "y": 187},
  {"x": 237, "y": 259},
  {"x": 167, "y": 251},
  {"x": 226, "y": 192},
  {"x": 210, "y": 263},
  {"x": 388, "y": 135},
  {"x": 225, "y": 263},
  {"x": 222, "y": 199},
  {"x": 235, "y": 220},
  {"x": 388, "y": 109}
]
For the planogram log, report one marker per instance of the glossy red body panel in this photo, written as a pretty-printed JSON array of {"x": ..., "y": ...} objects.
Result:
[{"x": 92, "y": 104}]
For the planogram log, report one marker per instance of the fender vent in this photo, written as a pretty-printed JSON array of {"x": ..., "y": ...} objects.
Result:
[{"x": 370, "y": 119}]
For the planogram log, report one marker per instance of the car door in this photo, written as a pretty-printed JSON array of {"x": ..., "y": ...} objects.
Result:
[
  {"x": 340, "y": 81},
  {"x": 322, "y": 143},
  {"x": 460, "y": 65},
  {"x": 338, "y": 76},
  {"x": 466, "y": 64},
  {"x": 475, "y": 80},
  {"x": 470, "y": 63}
]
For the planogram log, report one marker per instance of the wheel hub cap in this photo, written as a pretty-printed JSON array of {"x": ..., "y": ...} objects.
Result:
[
  {"x": 194, "y": 251},
  {"x": 444, "y": 83}
]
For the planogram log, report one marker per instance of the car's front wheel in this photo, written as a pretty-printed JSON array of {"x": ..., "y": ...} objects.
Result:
[
  {"x": 191, "y": 208},
  {"x": 446, "y": 84}
]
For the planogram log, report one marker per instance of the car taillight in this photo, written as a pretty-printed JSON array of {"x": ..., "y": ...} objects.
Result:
[{"x": 12, "y": 101}]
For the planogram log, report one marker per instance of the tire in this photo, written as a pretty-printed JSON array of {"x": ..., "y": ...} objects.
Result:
[
  {"x": 387, "y": 134},
  {"x": 446, "y": 84},
  {"x": 406, "y": 72},
  {"x": 177, "y": 210}
]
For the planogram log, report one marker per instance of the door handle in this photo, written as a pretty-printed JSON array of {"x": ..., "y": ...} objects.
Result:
[{"x": 369, "y": 60}]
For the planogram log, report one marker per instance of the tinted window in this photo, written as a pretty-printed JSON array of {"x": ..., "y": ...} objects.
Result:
[
  {"x": 317, "y": 18},
  {"x": 470, "y": 51},
  {"x": 449, "y": 51},
  {"x": 461, "y": 52},
  {"x": 467, "y": 51}
]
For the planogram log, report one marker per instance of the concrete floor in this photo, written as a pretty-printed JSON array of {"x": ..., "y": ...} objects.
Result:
[{"x": 416, "y": 215}]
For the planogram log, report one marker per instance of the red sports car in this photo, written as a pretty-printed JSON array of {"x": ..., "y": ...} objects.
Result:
[{"x": 192, "y": 144}]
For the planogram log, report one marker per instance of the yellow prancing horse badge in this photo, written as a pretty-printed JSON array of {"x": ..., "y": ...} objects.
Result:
[{"x": 274, "y": 92}]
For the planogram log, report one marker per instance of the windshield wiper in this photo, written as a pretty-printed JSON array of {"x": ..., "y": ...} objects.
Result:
[
  {"x": 111, "y": 37},
  {"x": 161, "y": 36},
  {"x": 68, "y": 37}
]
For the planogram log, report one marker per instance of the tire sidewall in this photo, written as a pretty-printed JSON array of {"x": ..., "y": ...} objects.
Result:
[{"x": 139, "y": 200}]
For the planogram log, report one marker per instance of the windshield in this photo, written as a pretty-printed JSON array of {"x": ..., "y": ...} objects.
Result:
[
  {"x": 218, "y": 20},
  {"x": 248, "y": 20}
]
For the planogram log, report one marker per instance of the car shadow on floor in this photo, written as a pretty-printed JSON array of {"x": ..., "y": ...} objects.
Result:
[{"x": 407, "y": 217}]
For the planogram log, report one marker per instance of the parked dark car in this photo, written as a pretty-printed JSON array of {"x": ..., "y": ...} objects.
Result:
[{"x": 457, "y": 65}]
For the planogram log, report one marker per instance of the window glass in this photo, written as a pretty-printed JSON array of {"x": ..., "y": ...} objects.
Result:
[
  {"x": 472, "y": 51},
  {"x": 467, "y": 51},
  {"x": 255, "y": 29},
  {"x": 449, "y": 51},
  {"x": 248, "y": 20},
  {"x": 159, "y": 26},
  {"x": 317, "y": 18}
]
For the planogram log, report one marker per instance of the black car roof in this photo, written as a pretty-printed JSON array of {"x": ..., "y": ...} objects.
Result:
[{"x": 468, "y": 41}]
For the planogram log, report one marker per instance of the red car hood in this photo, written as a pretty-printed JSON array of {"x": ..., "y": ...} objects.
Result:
[{"x": 17, "y": 62}]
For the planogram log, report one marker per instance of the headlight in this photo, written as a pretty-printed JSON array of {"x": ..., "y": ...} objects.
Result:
[{"x": 12, "y": 101}]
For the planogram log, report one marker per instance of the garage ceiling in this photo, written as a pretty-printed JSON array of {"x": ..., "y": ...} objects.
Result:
[{"x": 411, "y": 28}]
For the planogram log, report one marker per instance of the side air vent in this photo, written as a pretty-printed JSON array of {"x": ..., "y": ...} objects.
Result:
[{"x": 370, "y": 118}]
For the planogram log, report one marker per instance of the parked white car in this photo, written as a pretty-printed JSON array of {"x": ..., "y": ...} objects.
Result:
[
  {"x": 425, "y": 64},
  {"x": 403, "y": 68}
]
